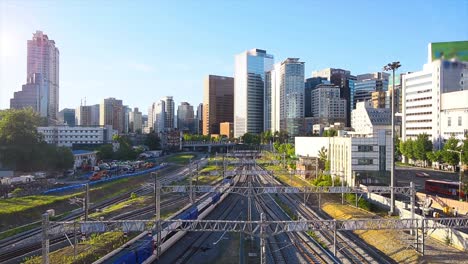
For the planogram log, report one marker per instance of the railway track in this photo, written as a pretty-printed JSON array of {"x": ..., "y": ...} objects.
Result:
[
  {"x": 350, "y": 248},
  {"x": 16, "y": 255},
  {"x": 304, "y": 245}
]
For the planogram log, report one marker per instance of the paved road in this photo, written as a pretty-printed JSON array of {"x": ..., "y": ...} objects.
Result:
[{"x": 404, "y": 175}]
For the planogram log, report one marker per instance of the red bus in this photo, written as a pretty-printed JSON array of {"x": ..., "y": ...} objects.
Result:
[{"x": 449, "y": 188}]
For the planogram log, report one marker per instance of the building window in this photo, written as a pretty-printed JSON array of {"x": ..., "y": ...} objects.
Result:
[
  {"x": 459, "y": 121},
  {"x": 365, "y": 148},
  {"x": 449, "y": 121},
  {"x": 365, "y": 161}
]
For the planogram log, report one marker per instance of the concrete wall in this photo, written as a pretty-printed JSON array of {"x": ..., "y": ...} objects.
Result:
[{"x": 458, "y": 239}]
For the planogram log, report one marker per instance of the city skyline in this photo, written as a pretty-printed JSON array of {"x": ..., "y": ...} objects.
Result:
[{"x": 97, "y": 66}]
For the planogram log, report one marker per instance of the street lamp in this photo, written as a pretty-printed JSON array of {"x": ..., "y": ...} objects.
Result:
[
  {"x": 392, "y": 67},
  {"x": 460, "y": 174}
]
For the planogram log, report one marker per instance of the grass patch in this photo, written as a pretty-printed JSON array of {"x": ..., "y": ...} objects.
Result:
[
  {"x": 316, "y": 238},
  {"x": 88, "y": 251},
  {"x": 285, "y": 208},
  {"x": 20, "y": 204},
  {"x": 138, "y": 201},
  {"x": 14, "y": 231},
  {"x": 181, "y": 159},
  {"x": 284, "y": 177}
]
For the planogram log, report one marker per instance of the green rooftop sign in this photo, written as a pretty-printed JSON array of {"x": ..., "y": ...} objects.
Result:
[{"x": 449, "y": 50}]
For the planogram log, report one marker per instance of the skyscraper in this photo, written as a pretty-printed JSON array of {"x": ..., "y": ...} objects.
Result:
[
  {"x": 284, "y": 97},
  {"x": 87, "y": 115},
  {"x": 67, "y": 116},
  {"x": 218, "y": 103},
  {"x": 185, "y": 118},
  {"x": 200, "y": 119},
  {"x": 345, "y": 81},
  {"x": 368, "y": 83},
  {"x": 135, "y": 121},
  {"x": 112, "y": 113},
  {"x": 327, "y": 106},
  {"x": 249, "y": 85},
  {"x": 310, "y": 84},
  {"x": 159, "y": 116},
  {"x": 169, "y": 108},
  {"x": 30, "y": 95},
  {"x": 43, "y": 58}
]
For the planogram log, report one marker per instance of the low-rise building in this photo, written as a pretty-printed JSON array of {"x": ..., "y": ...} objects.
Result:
[
  {"x": 171, "y": 139},
  {"x": 84, "y": 157},
  {"x": 308, "y": 167},
  {"x": 83, "y": 135},
  {"x": 226, "y": 129}
]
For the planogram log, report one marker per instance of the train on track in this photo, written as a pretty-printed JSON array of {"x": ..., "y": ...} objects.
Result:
[{"x": 143, "y": 248}]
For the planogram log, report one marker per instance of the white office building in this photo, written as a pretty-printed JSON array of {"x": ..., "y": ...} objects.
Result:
[
  {"x": 68, "y": 136},
  {"x": 249, "y": 85},
  {"x": 427, "y": 105},
  {"x": 366, "y": 119},
  {"x": 327, "y": 105}
]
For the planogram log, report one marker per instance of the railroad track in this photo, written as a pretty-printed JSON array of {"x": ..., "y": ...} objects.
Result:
[
  {"x": 350, "y": 248},
  {"x": 310, "y": 252},
  {"x": 33, "y": 248}
]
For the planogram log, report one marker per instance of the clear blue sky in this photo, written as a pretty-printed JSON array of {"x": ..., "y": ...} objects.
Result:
[{"x": 139, "y": 51}]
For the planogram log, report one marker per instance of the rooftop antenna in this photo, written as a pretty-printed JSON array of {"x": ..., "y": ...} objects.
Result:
[
  {"x": 85, "y": 101},
  {"x": 81, "y": 102}
]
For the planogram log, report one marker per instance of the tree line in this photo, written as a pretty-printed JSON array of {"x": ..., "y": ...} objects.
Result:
[
  {"x": 23, "y": 148},
  {"x": 421, "y": 150}
]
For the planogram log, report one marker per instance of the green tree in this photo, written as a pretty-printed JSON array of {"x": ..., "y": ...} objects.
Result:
[
  {"x": 322, "y": 155},
  {"x": 406, "y": 148},
  {"x": 421, "y": 146},
  {"x": 19, "y": 138},
  {"x": 464, "y": 150},
  {"x": 330, "y": 133},
  {"x": 435, "y": 156},
  {"x": 153, "y": 142},
  {"x": 251, "y": 139},
  {"x": 450, "y": 157},
  {"x": 105, "y": 152},
  {"x": 63, "y": 158}
]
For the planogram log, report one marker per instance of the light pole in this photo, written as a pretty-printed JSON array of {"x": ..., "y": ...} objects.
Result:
[
  {"x": 392, "y": 67},
  {"x": 460, "y": 174}
]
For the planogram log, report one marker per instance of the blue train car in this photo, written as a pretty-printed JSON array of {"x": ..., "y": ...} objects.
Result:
[
  {"x": 137, "y": 252},
  {"x": 216, "y": 197}
]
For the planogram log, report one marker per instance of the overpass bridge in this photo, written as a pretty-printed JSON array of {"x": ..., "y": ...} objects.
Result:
[{"x": 193, "y": 145}]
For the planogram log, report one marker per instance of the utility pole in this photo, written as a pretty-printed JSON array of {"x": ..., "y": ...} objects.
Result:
[
  {"x": 262, "y": 239},
  {"x": 87, "y": 202},
  {"x": 45, "y": 238},
  {"x": 392, "y": 67},
  {"x": 412, "y": 197},
  {"x": 191, "y": 184},
  {"x": 157, "y": 188},
  {"x": 156, "y": 198}
]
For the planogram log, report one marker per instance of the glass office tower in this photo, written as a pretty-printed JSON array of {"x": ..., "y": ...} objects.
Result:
[{"x": 249, "y": 85}]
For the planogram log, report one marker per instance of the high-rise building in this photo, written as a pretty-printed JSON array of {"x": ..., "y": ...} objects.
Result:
[
  {"x": 30, "y": 96},
  {"x": 67, "y": 116},
  {"x": 218, "y": 102},
  {"x": 159, "y": 116},
  {"x": 135, "y": 121},
  {"x": 112, "y": 113},
  {"x": 185, "y": 118},
  {"x": 199, "y": 122},
  {"x": 284, "y": 97},
  {"x": 309, "y": 85},
  {"x": 249, "y": 85},
  {"x": 345, "y": 81},
  {"x": 87, "y": 115},
  {"x": 43, "y": 58},
  {"x": 368, "y": 83},
  {"x": 433, "y": 101},
  {"x": 169, "y": 108},
  {"x": 327, "y": 105}
]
